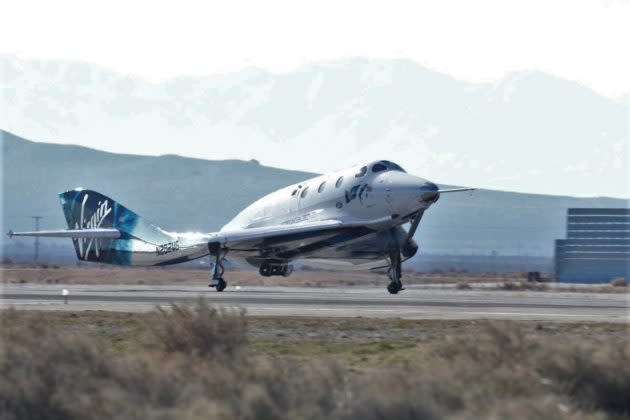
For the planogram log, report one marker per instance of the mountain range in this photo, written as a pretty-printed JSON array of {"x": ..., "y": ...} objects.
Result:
[
  {"x": 181, "y": 194},
  {"x": 530, "y": 132}
]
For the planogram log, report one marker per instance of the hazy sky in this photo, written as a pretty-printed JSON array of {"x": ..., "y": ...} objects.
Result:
[{"x": 586, "y": 41}]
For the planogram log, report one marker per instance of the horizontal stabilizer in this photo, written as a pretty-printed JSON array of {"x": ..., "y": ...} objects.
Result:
[{"x": 71, "y": 233}]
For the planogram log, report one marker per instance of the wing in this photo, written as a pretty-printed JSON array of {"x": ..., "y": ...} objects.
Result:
[
  {"x": 288, "y": 241},
  {"x": 231, "y": 238}
]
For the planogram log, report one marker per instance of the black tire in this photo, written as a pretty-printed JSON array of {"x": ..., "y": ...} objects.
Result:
[
  {"x": 265, "y": 270},
  {"x": 288, "y": 269},
  {"x": 393, "y": 288},
  {"x": 221, "y": 285}
]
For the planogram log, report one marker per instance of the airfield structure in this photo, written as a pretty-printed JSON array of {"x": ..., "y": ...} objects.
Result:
[{"x": 597, "y": 247}]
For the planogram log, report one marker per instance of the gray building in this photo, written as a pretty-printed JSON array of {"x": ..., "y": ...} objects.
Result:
[{"x": 597, "y": 248}]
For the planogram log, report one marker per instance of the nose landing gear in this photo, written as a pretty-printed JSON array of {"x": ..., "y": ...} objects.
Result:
[{"x": 394, "y": 272}]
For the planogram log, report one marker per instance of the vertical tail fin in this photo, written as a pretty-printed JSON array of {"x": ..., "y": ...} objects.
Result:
[{"x": 87, "y": 209}]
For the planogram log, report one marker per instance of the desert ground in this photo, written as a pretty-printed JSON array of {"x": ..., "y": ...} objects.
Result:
[
  {"x": 199, "y": 361},
  {"x": 188, "y": 354},
  {"x": 307, "y": 293},
  {"x": 89, "y": 273}
]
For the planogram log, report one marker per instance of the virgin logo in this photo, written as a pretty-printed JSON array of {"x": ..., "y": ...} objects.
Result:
[{"x": 93, "y": 222}]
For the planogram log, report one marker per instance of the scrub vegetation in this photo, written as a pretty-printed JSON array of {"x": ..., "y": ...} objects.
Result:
[{"x": 203, "y": 362}]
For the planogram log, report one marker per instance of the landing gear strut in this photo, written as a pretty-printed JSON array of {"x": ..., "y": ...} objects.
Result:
[
  {"x": 217, "y": 273},
  {"x": 394, "y": 272}
]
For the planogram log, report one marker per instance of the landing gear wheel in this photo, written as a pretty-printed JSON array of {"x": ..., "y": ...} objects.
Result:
[
  {"x": 265, "y": 270},
  {"x": 287, "y": 270},
  {"x": 221, "y": 285},
  {"x": 394, "y": 273},
  {"x": 394, "y": 288}
]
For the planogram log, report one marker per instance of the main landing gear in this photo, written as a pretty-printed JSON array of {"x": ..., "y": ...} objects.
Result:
[
  {"x": 394, "y": 272},
  {"x": 217, "y": 273},
  {"x": 275, "y": 269}
]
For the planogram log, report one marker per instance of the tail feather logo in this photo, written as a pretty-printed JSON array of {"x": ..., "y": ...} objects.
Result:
[{"x": 92, "y": 222}]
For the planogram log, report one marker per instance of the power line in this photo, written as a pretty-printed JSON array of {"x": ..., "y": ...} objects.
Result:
[{"x": 37, "y": 219}]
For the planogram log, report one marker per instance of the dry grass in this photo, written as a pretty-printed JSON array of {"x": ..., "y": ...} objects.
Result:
[
  {"x": 619, "y": 282},
  {"x": 524, "y": 285},
  {"x": 201, "y": 362},
  {"x": 196, "y": 331},
  {"x": 463, "y": 285}
]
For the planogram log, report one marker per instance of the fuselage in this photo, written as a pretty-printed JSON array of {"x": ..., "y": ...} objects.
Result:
[
  {"x": 346, "y": 219},
  {"x": 379, "y": 193}
]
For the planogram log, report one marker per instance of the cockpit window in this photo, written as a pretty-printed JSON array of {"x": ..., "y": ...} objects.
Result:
[
  {"x": 321, "y": 187},
  {"x": 379, "y": 167},
  {"x": 386, "y": 165},
  {"x": 304, "y": 192},
  {"x": 361, "y": 172},
  {"x": 339, "y": 181},
  {"x": 393, "y": 166}
]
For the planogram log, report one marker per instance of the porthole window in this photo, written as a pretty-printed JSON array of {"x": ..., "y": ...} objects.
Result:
[
  {"x": 361, "y": 172},
  {"x": 379, "y": 167},
  {"x": 339, "y": 181},
  {"x": 304, "y": 192},
  {"x": 321, "y": 187}
]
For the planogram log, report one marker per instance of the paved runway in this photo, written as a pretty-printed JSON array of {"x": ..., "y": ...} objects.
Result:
[{"x": 416, "y": 302}]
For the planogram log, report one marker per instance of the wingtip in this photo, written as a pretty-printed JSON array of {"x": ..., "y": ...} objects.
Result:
[{"x": 10, "y": 233}]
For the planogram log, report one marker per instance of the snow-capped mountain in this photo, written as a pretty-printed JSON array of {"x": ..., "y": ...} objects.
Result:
[{"x": 530, "y": 132}]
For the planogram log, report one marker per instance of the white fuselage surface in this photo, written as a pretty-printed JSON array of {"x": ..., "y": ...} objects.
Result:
[{"x": 375, "y": 199}]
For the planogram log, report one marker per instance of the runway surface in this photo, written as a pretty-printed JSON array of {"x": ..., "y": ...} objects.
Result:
[{"x": 415, "y": 302}]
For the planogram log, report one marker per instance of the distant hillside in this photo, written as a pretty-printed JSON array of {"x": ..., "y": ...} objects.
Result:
[
  {"x": 530, "y": 132},
  {"x": 172, "y": 191},
  {"x": 193, "y": 194}
]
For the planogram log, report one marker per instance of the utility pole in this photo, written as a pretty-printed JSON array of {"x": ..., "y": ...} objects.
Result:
[{"x": 37, "y": 219}]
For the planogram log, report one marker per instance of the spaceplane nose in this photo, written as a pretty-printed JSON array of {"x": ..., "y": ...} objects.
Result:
[
  {"x": 429, "y": 191},
  {"x": 429, "y": 186}
]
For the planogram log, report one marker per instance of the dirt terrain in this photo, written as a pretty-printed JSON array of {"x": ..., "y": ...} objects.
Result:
[
  {"x": 107, "y": 274},
  {"x": 113, "y": 275}
]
